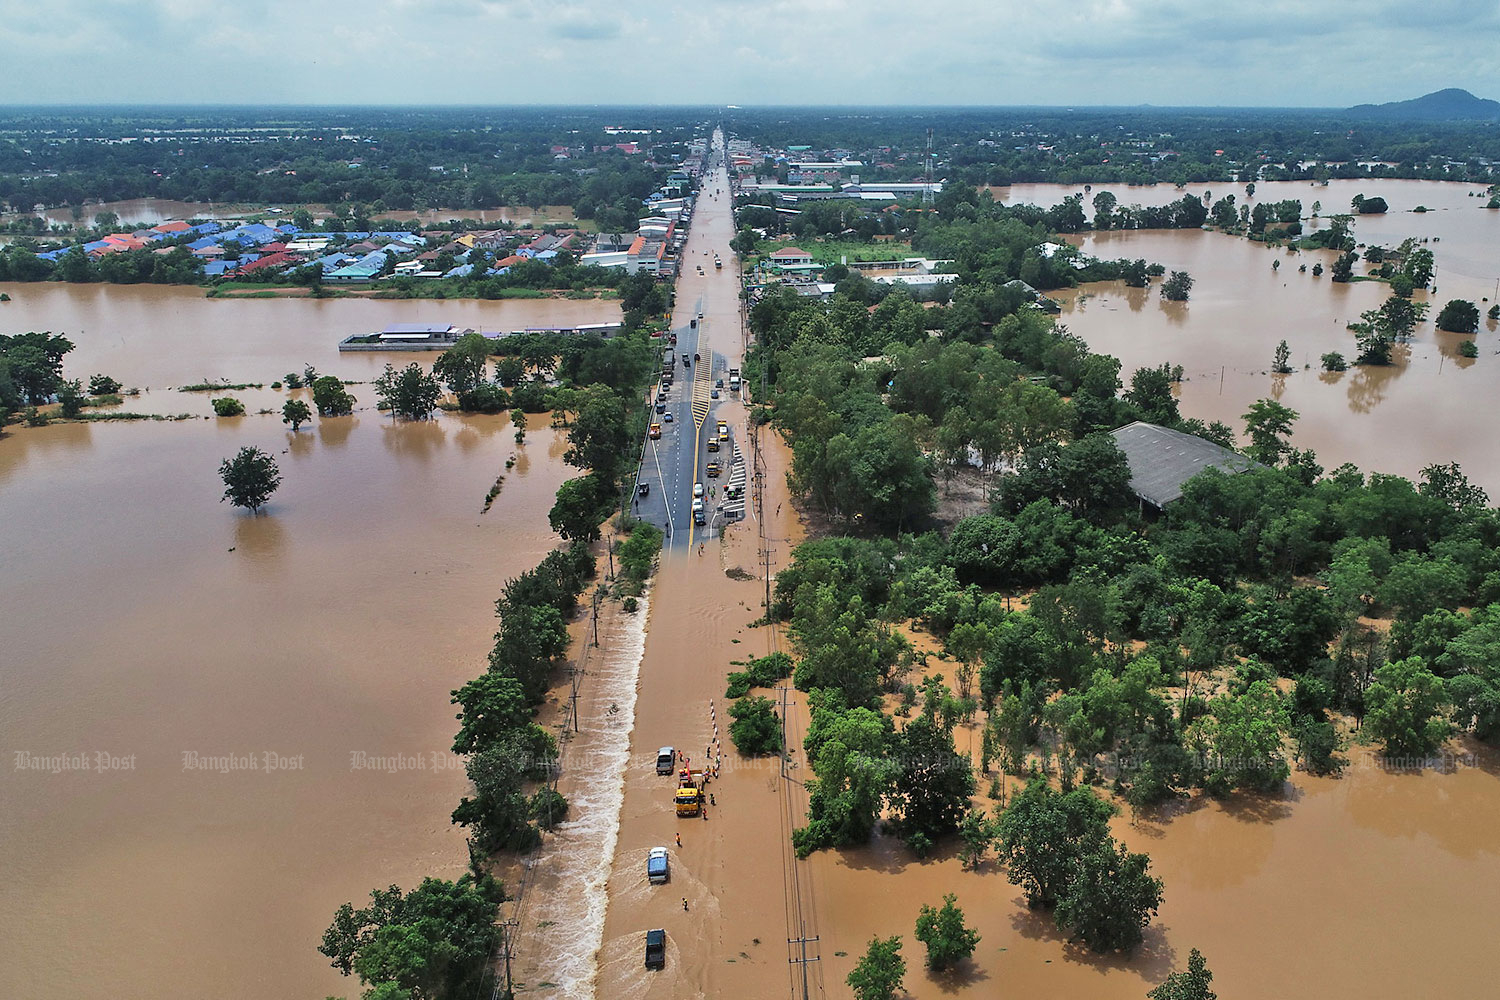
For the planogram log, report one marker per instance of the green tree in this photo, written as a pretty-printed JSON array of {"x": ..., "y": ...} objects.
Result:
[
  {"x": 879, "y": 974},
  {"x": 979, "y": 833},
  {"x": 228, "y": 406},
  {"x": 1333, "y": 361},
  {"x": 33, "y": 362},
  {"x": 410, "y": 393},
  {"x": 330, "y": 397},
  {"x": 1283, "y": 356},
  {"x": 1150, "y": 393},
  {"x": 1109, "y": 897},
  {"x": 1343, "y": 267},
  {"x": 433, "y": 943},
  {"x": 1190, "y": 985},
  {"x": 462, "y": 366},
  {"x": 518, "y": 420},
  {"x": 1240, "y": 739},
  {"x": 1268, "y": 424},
  {"x": 598, "y": 437},
  {"x": 1177, "y": 286},
  {"x": 1459, "y": 316},
  {"x": 70, "y": 395},
  {"x": 581, "y": 506},
  {"x": 1044, "y": 833},
  {"x": 103, "y": 385},
  {"x": 1406, "y": 709},
  {"x": 933, "y": 784},
  {"x": 942, "y": 930},
  {"x": 250, "y": 477},
  {"x": 296, "y": 413},
  {"x": 756, "y": 730}
]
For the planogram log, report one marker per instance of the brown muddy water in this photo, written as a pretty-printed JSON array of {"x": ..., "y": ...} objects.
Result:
[
  {"x": 1395, "y": 419},
  {"x": 148, "y": 623}
]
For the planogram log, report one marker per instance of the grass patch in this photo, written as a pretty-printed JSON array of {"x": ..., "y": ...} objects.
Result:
[
  {"x": 826, "y": 251},
  {"x": 220, "y": 386},
  {"x": 90, "y": 418}
]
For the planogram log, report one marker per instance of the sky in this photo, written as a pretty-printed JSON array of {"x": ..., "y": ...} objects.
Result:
[{"x": 1320, "y": 53}]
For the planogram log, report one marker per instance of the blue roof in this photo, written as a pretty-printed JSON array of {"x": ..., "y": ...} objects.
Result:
[
  {"x": 461, "y": 271},
  {"x": 255, "y": 232},
  {"x": 53, "y": 254},
  {"x": 96, "y": 245},
  {"x": 204, "y": 227},
  {"x": 206, "y": 241},
  {"x": 215, "y": 268}
]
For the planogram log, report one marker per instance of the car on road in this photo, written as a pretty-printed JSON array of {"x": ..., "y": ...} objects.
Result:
[
  {"x": 655, "y": 431},
  {"x": 667, "y": 417},
  {"x": 644, "y": 489},
  {"x": 697, "y": 491},
  {"x": 713, "y": 470},
  {"x": 656, "y": 949},
  {"x": 713, "y": 394},
  {"x": 713, "y": 442},
  {"x": 658, "y": 868},
  {"x": 661, "y": 407},
  {"x": 723, "y": 430},
  {"x": 719, "y": 384},
  {"x": 700, "y": 518},
  {"x": 666, "y": 760}
]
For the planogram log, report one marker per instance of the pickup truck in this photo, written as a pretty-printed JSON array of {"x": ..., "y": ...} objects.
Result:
[
  {"x": 666, "y": 760},
  {"x": 658, "y": 868},
  {"x": 656, "y": 949}
]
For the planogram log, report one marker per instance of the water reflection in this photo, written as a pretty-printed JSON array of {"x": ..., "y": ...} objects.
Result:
[
  {"x": 419, "y": 439},
  {"x": 260, "y": 538},
  {"x": 333, "y": 432}
]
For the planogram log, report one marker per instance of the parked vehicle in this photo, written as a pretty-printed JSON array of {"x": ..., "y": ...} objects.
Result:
[
  {"x": 723, "y": 430},
  {"x": 656, "y": 949},
  {"x": 666, "y": 760},
  {"x": 698, "y": 491},
  {"x": 658, "y": 868},
  {"x": 713, "y": 442},
  {"x": 655, "y": 431},
  {"x": 667, "y": 418},
  {"x": 713, "y": 470}
]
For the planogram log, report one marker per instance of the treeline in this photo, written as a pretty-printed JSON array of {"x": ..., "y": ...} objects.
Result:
[
  {"x": 438, "y": 941},
  {"x": 393, "y": 161},
  {"x": 1140, "y": 146}
]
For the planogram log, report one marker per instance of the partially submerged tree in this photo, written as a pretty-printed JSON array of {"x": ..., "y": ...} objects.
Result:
[{"x": 250, "y": 477}]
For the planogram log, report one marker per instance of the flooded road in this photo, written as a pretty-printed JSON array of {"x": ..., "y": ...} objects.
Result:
[
  {"x": 270, "y": 693},
  {"x": 1395, "y": 419}
]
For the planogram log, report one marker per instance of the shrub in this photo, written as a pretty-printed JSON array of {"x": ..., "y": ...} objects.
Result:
[
  {"x": 1333, "y": 361},
  {"x": 1468, "y": 349},
  {"x": 756, "y": 730},
  {"x": 763, "y": 671},
  {"x": 228, "y": 406},
  {"x": 548, "y": 807},
  {"x": 103, "y": 385}
]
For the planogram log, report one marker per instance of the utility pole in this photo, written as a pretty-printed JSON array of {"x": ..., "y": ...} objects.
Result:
[
  {"x": 804, "y": 960},
  {"x": 507, "y": 931}
]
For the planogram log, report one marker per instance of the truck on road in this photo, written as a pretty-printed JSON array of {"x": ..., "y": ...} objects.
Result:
[{"x": 734, "y": 380}]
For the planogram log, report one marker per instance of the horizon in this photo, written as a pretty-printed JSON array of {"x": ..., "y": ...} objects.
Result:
[{"x": 717, "y": 106}]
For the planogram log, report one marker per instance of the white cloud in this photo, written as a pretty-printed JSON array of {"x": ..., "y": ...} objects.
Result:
[{"x": 1270, "y": 52}]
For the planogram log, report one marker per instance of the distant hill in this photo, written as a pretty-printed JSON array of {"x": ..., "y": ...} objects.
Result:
[{"x": 1440, "y": 106}]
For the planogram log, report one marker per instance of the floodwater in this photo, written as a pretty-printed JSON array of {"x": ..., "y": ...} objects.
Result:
[
  {"x": 148, "y": 622},
  {"x": 156, "y": 336},
  {"x": 154, "y": 211},
  {"x": 1373, "y": 884},
  {"x": 1395, "y": 419}
]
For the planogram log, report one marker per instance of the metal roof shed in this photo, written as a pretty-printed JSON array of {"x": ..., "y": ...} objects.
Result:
[{"x": 1163, "y": 460}]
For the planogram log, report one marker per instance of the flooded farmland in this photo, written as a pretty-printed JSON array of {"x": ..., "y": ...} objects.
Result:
[{"x": 268, "y": 694}]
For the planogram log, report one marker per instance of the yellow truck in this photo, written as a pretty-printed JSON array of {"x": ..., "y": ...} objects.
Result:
[{"x": 688, "y": 797}]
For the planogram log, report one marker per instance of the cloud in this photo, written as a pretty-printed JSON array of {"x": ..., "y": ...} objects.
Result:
[
  {"x": 588, "y": 31},
  {"x": 1243, "y": 52}
]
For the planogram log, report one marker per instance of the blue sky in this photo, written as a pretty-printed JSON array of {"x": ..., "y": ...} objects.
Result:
[{"x": 1213, "y": 52}]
